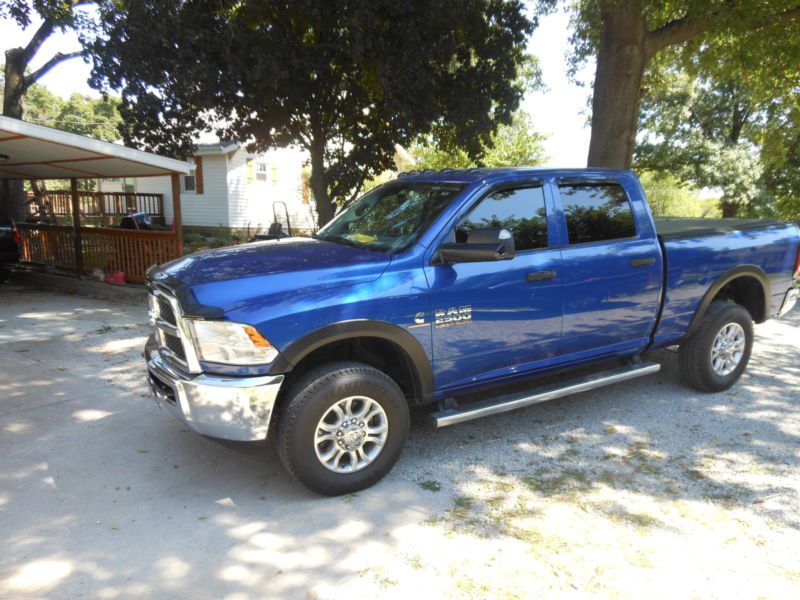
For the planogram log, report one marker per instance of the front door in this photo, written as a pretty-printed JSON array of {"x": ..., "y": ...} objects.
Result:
[{"x": 495, "y": 318}]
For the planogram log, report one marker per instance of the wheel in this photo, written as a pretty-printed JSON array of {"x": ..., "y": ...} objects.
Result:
[
  {"x": 342, "y": 428},
  {"x": 717, "y": 353}
]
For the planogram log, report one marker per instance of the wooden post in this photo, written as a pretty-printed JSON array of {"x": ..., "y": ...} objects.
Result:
[
  {"x": 76, "y": 226},
  {"x": 177, "y": 221}
]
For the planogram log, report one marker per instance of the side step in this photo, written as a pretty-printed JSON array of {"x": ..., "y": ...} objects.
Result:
[{"x": 501, "y": 404}]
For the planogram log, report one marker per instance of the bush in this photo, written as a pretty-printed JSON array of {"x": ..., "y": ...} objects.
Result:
[{"x": 668, "y": 198}]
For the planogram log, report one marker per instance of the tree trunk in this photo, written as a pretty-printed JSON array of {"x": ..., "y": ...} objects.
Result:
[
  {"x": 325, "y": 208},
  {"x": 729, "y": 209},
  {"x": 621, "y": 61},
  {"x": 12, "y": 200}
]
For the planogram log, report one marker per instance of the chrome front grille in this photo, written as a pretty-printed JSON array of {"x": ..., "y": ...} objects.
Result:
[
  {"x": 165, "y": 311},
  {"x": 171, "y": 331}
]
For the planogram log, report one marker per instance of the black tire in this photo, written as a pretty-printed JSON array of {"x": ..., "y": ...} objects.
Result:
[
  {"x": 311, "y": 398},
  {"x": 694, "y": 355}
]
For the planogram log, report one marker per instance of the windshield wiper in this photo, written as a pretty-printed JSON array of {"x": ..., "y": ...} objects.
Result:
[{"x": 343, "y": 240}]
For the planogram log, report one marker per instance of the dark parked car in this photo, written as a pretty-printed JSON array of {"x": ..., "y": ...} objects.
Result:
[
  {"x": 143, "y": 221},
  {"x": 9, "y": 246}
]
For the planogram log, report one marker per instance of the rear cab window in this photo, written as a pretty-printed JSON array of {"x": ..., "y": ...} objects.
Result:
[
  {"x": 519, "y": 210},
  {"x": 596, "y": 212}
]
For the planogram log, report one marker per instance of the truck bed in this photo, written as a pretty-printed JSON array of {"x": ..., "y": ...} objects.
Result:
[
  {"x": 700, "y": 251},
  {"x": 675, "y": 228},
  {"x": 671, "y": 228}
]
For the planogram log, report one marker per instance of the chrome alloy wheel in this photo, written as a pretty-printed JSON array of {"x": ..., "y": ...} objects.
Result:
[
  {"x": 351, "y": 434},
  {"x": 727, "y": 349}
]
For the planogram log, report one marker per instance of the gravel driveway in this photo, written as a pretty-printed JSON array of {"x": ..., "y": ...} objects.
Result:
[{"x": 645, "y": 489}]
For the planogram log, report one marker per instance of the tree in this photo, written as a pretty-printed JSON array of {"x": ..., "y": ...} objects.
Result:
[
  {"x": 626, "y": 35},
  {"x": 344, "y": 80},
  {"x": 98, "y": 118},
  {"x": 17, "y": 76},
  {"x": 780, "y": 158},
  {"x": 705, "y": 133},
  {"x": 668, "y": 196},
  {"x": 513, "y": 145}
]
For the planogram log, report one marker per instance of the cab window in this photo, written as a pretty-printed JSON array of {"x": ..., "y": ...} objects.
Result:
[
  {"x": 520, "y": 210},
  {"x": 596, "y": 212}
]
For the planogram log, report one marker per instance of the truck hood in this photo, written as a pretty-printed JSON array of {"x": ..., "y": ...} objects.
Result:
[{"x": 215, "y": 281}]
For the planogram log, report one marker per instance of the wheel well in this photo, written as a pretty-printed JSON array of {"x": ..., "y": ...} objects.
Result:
[
  {"x": 748, "y": 292},
  {"x": 380, "y": 353}
]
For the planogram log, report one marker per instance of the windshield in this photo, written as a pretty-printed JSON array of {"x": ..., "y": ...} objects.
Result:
[{"x": 389, "y": 218}]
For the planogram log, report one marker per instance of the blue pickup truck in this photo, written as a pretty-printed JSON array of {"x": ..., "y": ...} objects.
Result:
[{"x": 441, "y": 287}]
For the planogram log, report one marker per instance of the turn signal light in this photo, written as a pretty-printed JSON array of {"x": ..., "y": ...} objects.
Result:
[{"x": 255, "y": 337}]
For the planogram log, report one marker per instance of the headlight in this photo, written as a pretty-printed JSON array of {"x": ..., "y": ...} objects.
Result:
[{"x": 230, "y": 343}]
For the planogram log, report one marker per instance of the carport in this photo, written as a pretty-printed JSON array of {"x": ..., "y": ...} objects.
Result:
[{"x": 30, "y": 151}]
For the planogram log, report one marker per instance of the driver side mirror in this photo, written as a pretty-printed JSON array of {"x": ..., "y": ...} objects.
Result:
[{"x": 482, "y": 245}]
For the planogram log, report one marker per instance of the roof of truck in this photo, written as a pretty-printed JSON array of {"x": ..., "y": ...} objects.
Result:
[{"x": 476, "y": 174}]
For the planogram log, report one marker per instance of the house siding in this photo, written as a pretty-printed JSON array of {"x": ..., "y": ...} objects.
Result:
[
  {"x": 230, "y": 200},
  {"x": 209, "y": 209},
  {"x": 250, "y": 202}
]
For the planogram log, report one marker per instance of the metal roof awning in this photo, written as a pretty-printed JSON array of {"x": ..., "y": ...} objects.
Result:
[{"x": 30, "y": 151}]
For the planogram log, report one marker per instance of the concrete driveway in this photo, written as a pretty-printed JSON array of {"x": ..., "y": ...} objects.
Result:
[{"x": 643, "y": 489}]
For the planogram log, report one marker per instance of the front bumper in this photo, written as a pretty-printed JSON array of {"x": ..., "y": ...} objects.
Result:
[
  {"x": 789, "y": 301},
  {"x": 231, "y": 408}
]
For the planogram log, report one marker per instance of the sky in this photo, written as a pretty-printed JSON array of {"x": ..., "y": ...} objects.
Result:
[{"x": 560, "y": 112}]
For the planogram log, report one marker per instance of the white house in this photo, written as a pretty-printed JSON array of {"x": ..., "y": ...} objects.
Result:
[{"x": 231, "y": 187}]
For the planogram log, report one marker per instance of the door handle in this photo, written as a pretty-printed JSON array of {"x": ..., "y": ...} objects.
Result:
[
  {"x": 643, "y": 262},
  {"x": 541, "y": 275}
]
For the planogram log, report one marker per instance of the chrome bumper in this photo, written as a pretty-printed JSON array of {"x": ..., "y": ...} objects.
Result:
[
  {"x": 232, "y": 408},
  {"x": 789, "y": 301}
]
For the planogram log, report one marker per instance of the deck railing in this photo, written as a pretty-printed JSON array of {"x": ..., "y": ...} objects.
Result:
[
  {"x": 127, "y": 250},
  {"x": 102, "y": 204}
]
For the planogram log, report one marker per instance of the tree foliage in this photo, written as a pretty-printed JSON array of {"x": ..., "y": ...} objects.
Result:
[
  {"x": 513, "y": 145},
  {"x": 731, "y": 135},
  {"x": 98, "y": 118},
  {"x": 712, "y": 36},
  {"x": 704, "y": 133},
  {"x": 344, "y": 80},
  {"x": 667, "y": 196}
]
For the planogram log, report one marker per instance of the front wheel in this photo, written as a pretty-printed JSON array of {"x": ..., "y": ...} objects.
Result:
[
  {"x": 716, "y": 355},
  {"x": 342, "y": 428}
]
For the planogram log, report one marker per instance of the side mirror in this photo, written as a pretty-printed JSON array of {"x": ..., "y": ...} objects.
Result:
[{"x": 482, "y": 245}]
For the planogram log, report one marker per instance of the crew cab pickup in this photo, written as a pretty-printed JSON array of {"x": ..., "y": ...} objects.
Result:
[{"x": 442, "y": 284}]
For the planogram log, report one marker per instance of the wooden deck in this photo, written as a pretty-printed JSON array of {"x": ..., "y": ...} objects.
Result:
[
  {"x": 109, "y": 249},
  {"x": 103, "y": 204}
]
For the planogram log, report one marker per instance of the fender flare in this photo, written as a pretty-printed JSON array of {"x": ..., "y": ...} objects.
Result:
[
  {"x": 737, "y": 272},
  {"x": 335, "y": 332}
]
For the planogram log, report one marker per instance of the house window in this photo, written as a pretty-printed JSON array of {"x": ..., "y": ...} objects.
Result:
[
  {"x": 190, "y": 180},
  {"x": 261, "y": 169},
  {"x": 274, "y": 174},
  {"x": 193, "y": 182}
]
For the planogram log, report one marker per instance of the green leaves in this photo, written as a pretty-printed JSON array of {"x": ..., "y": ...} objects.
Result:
[
  {"x": 513, "y": 145},
  {"x": 345, "y": 80}
]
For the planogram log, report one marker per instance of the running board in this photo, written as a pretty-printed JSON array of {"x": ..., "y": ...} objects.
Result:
[{"x": 501, "y": 404}]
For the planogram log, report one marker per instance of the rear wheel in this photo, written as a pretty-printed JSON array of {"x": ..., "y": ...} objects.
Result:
[
  {"x": 717, "y": 353},
  {"x": 342, "y": 428}
]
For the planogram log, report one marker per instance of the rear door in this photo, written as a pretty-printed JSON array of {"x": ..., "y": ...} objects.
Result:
[
  {"x": 494, "y": 318},
  {"x": 612, "y": 268}
]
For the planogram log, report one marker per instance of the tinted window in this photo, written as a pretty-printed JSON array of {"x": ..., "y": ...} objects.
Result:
[
  {"x": 521, "y": 211},
  {"x": 597, "y": 212}
]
